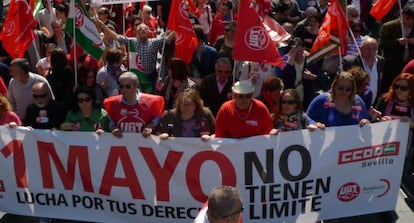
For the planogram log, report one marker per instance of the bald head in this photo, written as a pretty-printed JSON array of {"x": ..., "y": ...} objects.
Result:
[
  {"x": 40, "y": 86},
  {"x": 369, "y": 48},
  {"x": 41, "y": 94}
]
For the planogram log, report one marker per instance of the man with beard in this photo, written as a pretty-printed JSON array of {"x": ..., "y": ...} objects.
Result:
[{"x": 44, "y": 112}]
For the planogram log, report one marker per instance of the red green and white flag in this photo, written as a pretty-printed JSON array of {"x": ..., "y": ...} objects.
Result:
[
  {"x": 83, "y": 30},
  {"x": 332, "y": 33},
  {"x": 135, "y": 66}
]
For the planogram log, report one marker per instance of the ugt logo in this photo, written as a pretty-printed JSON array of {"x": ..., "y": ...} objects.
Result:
[{"x": 256, "y": 39}]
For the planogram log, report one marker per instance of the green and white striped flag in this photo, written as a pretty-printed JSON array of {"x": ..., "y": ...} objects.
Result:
[
  {"x": 135, "y": 66},
  {"x": 83, "y": 30}
]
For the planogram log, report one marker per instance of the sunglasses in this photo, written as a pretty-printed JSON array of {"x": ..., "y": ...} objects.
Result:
[
  {"x": 82, "y": 100},
  {"x": 125, "y": 86},
  {"x": 242, "y": 96},
  {"x": 401, "y": 87},
  {"x": 288, "y": 102},
  {"x": 37, "y": 96},
  {"x": 344, "y": 88}
]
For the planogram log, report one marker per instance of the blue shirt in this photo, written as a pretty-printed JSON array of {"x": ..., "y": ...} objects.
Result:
[{"x": 324, "y": 111}]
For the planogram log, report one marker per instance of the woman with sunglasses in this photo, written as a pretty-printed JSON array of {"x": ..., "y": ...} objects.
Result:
[
  {"x": 341, "y": 105},
  {"x": 224, "y": 43},
  {"x": 291, "y": 115},
  {"x": 398, "y": 101},
  {"x": 84, "y": 116}
]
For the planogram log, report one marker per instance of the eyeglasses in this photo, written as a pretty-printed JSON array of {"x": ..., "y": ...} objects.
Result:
[
  {"x": 242, "y": 96},
  {"x": 344, "y": 88},
  {"x": 289, "y": 102},
  {"x": 233, "y": 213},
  {"x": 223, "y": 71},
  {"x": 401, "y": 87},
  {"x": 125, "y": 86},
  {"x": 37, "y": 96},
  {"x": 82, "y": 100}
]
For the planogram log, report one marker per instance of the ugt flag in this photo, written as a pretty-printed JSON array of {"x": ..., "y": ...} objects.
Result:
[
  {"x": 17, "y": 33},
  {"x": 186, "y": 40},
  {"x": 83, "y": 30},
  {"x": 252, "y": 41}
]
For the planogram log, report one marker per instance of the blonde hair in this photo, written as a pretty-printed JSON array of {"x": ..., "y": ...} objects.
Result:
[
  {"x": 343, "y": 76},
  {"x": 5, "y": 105}
]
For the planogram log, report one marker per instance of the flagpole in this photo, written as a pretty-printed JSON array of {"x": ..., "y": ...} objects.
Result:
[
  {"x": 34, "y": 43},
  {"x": 401, "y": 22},
  {"x": 75, "y": 57},
  {"x": 123, "y": 20},
  {"x": 341, "y": 68},
  {"x": 354, "y": 40},
  {"x": 234, "y": 70},
  {"x": 162, "y": 59}
]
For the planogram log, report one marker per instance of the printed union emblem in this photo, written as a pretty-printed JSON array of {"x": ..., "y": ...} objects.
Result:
[
  {"x": 183, "y": 10},
  {"x": 256, "y": 38},
  {"x": 10, "y": 27},
  {"x": 79, "y": 17},
  {"x": 348, "y": 192}
]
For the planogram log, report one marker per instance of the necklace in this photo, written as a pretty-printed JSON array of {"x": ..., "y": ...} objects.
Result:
[{"x": 248, "y": 112}]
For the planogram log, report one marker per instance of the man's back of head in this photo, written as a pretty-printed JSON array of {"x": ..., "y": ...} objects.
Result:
[{"x": 224, "y": 202}]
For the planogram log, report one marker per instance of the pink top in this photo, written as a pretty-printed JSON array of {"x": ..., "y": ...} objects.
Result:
[{"x": 8, "y": 117}]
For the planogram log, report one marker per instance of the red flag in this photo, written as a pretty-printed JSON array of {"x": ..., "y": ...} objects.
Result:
[
  {"x": 18, "y": 27},
  {"x": 332, "y": 33},
  {"x": 276, "y": 32},
  {"x": 252, "y": 41},
  {"x": 186, "y": 40},
  {"x": 381, "y": 7},
  {"x": 193, "y": 8}
]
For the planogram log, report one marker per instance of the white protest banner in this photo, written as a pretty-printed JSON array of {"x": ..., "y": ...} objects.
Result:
[
  {"x": 297, "y": 176},
  {"x": 109, "y": 2}
]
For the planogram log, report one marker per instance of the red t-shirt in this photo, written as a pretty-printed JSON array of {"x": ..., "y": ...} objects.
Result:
[
  {"x": 134, "y": 118},
  {"x": 243, "y": 123}
]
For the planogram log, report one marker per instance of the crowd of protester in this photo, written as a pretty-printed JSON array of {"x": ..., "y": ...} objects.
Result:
[{"x": 212, "y": 95}]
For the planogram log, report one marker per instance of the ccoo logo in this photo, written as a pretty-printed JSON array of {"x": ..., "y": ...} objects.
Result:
[
  {"x": 256, "y": 38},
  {"x": 78, "y": 16},
  {"x": 348, "y": 192}
]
